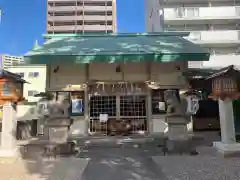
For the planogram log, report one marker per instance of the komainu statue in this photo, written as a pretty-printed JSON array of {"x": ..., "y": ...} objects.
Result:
[
  {"x": 177, "y": 118},
  {"x": 57, "y": 124}
]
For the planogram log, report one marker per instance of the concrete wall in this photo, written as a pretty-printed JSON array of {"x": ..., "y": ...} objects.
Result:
[
  {"x": 37, "y": 84},
  {"x": 221, "y": 61},
  {"x": 29, "y": 112}
]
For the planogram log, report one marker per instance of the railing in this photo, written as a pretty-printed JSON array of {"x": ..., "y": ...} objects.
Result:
[
  {"x": 202, "y": 12},
  {"x": 225, "y": 35}
]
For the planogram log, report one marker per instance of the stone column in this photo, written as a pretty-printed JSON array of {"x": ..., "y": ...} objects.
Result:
[
  {"x": 228, "y": 145},
  {"x": 149, "y": 112},
  {"x": 227, "y": 121},
  {"x": 86, "y": 111},
  {"x": 9, "y": 128}
]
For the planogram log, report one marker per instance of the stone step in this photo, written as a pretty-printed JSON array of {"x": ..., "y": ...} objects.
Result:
[{"x": 113, "y": 142}]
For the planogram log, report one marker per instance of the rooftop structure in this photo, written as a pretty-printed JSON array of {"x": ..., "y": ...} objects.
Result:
[
  {"x": 8, "y": 60},
  {"x": 81, "y": 16}
]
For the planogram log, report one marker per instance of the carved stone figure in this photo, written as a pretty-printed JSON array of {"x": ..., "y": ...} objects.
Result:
[
  {"x": 176, "y": 107},
  {"x": 177, "y": 119},
  {"x": 57, "y": 124}
]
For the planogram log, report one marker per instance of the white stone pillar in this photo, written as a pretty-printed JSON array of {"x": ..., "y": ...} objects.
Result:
[
  {"x": 228, "y": 145},
  {"x": 9, "y": 127},
  {"x": 227, "y": 121}
]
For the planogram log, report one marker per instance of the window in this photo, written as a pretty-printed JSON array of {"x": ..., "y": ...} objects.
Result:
[
  {"x": 6, "y": 89},
  {"x": 102, "y": 105},
  {"x": 32, "y": 92},
  {"x": 133, "y": 106},
  {"x": 33, "y": 74}
]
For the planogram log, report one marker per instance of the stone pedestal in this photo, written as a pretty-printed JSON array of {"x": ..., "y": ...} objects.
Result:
[
  {"x": 228, "y": 145},
  {"x": 178, "y": 138},
  {"x": 58, "y": 129},
  {"x": 177, "y": 128},
  {"x": 8, "y": 137},
  {"x": 228, "y": 150}
]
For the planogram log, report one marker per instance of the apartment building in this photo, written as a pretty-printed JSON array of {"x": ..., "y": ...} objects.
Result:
[
  {"x": 214, "y": 25},
  {"x": 154, "y": 15},
  {"x": 81, "y": 16},
  {"x": 8, "y": 60},
  {"x": 35, "y": 75}
]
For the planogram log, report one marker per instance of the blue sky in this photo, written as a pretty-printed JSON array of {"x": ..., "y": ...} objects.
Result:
[{"x": 24, "y": 21}]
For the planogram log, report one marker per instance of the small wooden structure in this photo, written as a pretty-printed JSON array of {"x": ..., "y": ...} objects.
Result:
[
  {"x": 11, "y": 87},
  {"x": 225, "y": 83}
]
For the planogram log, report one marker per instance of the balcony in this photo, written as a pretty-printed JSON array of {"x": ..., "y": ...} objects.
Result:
[
  {"x": 79, "y": 8},
  {"x": 97, "y": 8},
  {"x": 222, "y": 61},
  {"x": 65, "y": 28},
  {"x": 79, "y": 18},
  {"x": 198, "y": 15},
  {"x": 97, "y": 18},
  {"x": 65, "y": 18},
  {"x": 228, "y": 37},
  {"x": 97, "y": 27},
  {"x": 64, "y": 8},
  {"x": 94, "y": 27}
]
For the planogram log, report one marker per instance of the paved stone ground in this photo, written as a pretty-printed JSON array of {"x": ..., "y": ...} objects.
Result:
[
  {"x": 122, "y": 163},
  {"x": 208, "y": 165}
]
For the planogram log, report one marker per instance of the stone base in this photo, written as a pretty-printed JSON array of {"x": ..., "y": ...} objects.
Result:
[
  {"x": 181, "y": 147},
  {"x": 228, "y": 150},
  {"x": 177, "y": 132}
]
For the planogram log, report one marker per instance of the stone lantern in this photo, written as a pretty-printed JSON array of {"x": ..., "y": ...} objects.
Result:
[{"x": 225, "y": 89}]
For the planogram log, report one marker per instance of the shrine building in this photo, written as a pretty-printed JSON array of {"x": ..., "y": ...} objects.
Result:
[{"x": 116, "y": 79}]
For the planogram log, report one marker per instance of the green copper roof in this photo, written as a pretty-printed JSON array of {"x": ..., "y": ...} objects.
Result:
[{"x": 161, "y": 47}]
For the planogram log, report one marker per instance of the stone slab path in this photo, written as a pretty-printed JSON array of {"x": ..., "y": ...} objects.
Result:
[{"x": 126, "y": 163}]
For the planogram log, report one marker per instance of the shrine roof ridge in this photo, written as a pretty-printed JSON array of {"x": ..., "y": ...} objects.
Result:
[{"x": 224, "y": 71}]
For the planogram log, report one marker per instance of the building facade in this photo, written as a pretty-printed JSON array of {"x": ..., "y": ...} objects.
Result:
[
  {"x": 212, "y": 24},
  {"x": 8, "y": 60},
  {"x": 35, "y": 75},
  {"x": 81, "y": 16},
  {"x": 154, "y": 13}
]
